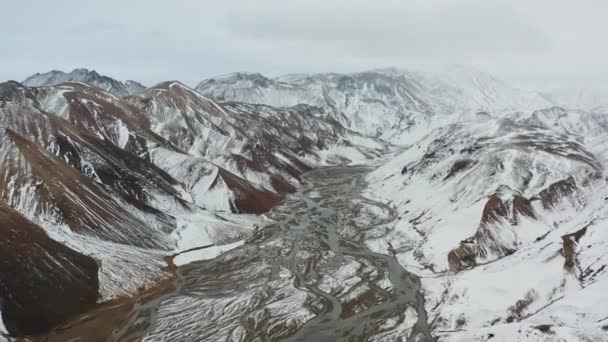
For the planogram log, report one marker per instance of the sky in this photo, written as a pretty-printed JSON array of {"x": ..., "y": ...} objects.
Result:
[{"x": 532, "y": 42}]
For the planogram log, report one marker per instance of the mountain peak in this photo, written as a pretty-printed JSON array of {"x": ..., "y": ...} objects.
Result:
[
  {"x": 83, "y": 75},
  {"x": 241, "y": 79}
]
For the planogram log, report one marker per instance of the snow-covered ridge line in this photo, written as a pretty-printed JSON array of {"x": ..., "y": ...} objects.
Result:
[
  {"x": 85, "y": 76},
  {"x": 390, "y": 103}
]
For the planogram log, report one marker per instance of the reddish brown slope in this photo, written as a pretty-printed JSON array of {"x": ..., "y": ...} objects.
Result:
[
  {"x": 487, "y": 240},
  {"x": 42, "y": 282},
  {"x": 248, "y": 199},
  {"x": 85, "y": 206}
]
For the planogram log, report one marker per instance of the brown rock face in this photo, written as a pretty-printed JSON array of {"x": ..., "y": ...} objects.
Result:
[
  {"x": 85, "y": 206},
  {"x": 522, "y": 207},
  {"x": 249, "y": 199},
  {"x": 279, "y": 184},
  {"x": 463, "y": 256},
  {"x": 468, "y": 251},
  {"x": 556, "y": 191},
  {"x": 42, "y": 282},
  {"x": 466, "y": 254},
  {"x": 569, "y": 243},
  {"x": 494, "y": 210}
]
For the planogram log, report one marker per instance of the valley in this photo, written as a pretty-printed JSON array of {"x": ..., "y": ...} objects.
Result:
[{"x": 385, "y": 205}]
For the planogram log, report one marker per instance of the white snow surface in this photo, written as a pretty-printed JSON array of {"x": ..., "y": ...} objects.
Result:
[
  {"x": 440, "y": 205},
  {"x": 383, "y": 102},
  {"x": 3, "y": 330}
]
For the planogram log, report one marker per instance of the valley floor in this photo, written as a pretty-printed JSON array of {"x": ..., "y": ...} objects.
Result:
[{"x": 309, "y": 276}]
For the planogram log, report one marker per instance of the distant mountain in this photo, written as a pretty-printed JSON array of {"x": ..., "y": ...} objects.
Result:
[
  {"x": 274, "y": 141},
  {"x": 389, "y": 103},
  {"x": 85, "y": 76},
  {"x": 578, "y": 98}
]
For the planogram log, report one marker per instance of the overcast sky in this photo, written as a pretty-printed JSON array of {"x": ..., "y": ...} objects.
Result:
[{"x": 152, "y": 40}]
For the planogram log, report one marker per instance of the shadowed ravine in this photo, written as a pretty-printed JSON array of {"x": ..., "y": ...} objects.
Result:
[{"x": 300, "y": 279}]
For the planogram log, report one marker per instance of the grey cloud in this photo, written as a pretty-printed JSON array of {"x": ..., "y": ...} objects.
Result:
[
  {"x": 468, "y": 27},
  {"x": 154, "y": 40}
]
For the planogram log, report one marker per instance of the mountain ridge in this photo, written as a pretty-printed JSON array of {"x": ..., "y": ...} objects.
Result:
[{"x": 385, "y": 203}]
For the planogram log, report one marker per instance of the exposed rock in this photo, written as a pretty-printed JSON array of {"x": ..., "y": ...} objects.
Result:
[
  {"x": 462, "y": 257},
  {"x": 248, "y": 199},
  {"x": 42, "y": 282},
  {"x": 68, "y": 196},
  {"x": 545, "y": 328},
  {"x": 494, "y": 210},
  {"x": 513, "y": 209},
  {"x": 457, "y": 167},
  {"x": 485, "y": 241},
  {"x": 556, "y": 191},
  {"x": 569, "y": 243},
  {"x": 522, "y": 207},
  {"x": 516, "y": 312}
]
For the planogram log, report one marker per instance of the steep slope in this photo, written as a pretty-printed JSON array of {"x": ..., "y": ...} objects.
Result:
[
  {"x": 76, "y": 161},
  {"x": 367, "y": 102},
  {"x": 42, "y": 282},
  {"x": 38, "y": 184},
  {"x": 491, "y": 200},
  {"x": 114, "y": 140},
  {"x": 224, "y": 133},
  {"x": 462, "y": 89},
  {"x": 395, "y": 104},
  {"x": 90, "y": 77}
]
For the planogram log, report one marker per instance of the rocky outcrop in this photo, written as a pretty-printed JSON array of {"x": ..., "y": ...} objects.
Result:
[
  {"x": 247, "y": 199},
  {"x": 569, "y": 243},
  {"x": 486, "y": 240},
  {"x": 550, "y": 196}
]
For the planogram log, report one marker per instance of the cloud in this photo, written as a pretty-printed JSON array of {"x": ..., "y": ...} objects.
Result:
[
  {"x": 154, "y": 40},
  {"x": 395, "y": 29}
]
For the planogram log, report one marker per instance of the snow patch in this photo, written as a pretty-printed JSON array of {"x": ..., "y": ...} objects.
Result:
[{"x": 123, "y": 134}]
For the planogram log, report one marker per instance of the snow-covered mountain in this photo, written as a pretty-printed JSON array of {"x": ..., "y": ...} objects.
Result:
[
  {"x": 394, "y": 104},
  {"x": 255, "y": 208},
  {"x": 499, "y": 195},
  {"x": 285, "y": 142},
  {"x": 106, "y": 181},
  {"x": 501, "y": 217},
  {"x": 91, "y": 77},
  {"x": 103, "y": 204}
]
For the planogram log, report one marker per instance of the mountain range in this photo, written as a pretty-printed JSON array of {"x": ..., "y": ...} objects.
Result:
[{"x": 113, "y": 196}]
